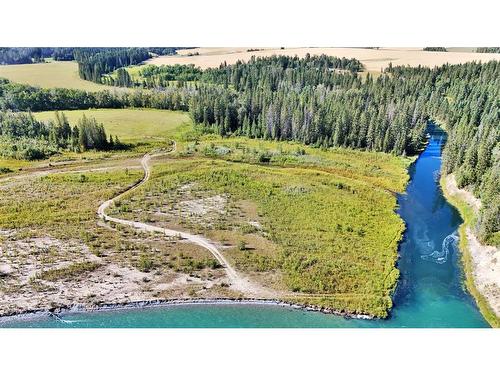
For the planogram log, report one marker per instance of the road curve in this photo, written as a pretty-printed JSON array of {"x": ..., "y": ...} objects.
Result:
[{"x": 237, "y": 282}]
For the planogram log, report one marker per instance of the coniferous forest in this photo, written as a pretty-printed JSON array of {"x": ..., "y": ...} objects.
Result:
[
  {"x": 94, "y": 64},
  {"x": 488, "y": 50},
  {"x": 435, "y": 49}
]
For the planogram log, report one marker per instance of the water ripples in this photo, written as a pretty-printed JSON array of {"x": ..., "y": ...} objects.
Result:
[{"x": 449, "y": 244}]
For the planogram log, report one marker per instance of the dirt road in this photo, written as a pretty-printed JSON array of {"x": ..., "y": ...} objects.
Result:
[{"x": 238, "y": 282}]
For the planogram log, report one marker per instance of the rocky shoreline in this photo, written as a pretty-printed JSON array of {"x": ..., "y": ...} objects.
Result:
[{"x": 56, "y": 312}]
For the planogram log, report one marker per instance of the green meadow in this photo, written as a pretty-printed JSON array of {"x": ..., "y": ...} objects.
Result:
[{"x": 130, "y": 125}]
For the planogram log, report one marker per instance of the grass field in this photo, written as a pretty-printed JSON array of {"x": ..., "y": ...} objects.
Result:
[
  {"x": 131, "y": 125},
  {"x": 372, "y": 59},
  {"x": 143, "y": 128},
  {"x": 49, "y": 75},
  {"x": 322, "y": 223}
]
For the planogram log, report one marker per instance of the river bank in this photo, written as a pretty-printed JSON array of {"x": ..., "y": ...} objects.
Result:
[
  {"x": 56, "y": 312},
  {"x": 481, "y": 263}
]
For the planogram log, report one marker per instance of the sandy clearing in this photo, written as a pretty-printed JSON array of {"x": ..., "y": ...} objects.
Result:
[
  {"x": 205, "y": 206},
  {"x": 485, "y": 259},
  {"x": 374, "y": 60},
  {"x": 238, "y": 282}
]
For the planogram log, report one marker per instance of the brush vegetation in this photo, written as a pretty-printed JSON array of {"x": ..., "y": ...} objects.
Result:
[{"x": 330, "y": 213}]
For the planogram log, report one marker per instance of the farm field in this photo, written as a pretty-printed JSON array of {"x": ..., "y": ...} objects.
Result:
[
  {"x": 63, "y": 74},
  {"x": 372, "y": 59}
]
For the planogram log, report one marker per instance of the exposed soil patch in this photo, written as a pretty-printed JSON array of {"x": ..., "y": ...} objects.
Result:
[
  {"x": 193, "y": 207},
  {"x": 45, "y": 272}
]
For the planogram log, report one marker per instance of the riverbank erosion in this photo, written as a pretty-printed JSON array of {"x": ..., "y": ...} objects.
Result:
[{"x": 481, "y": 262}]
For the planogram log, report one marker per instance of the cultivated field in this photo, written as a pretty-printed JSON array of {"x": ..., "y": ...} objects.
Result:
[
  {"x": 49, "y": 75},
  {"x": 373, "y": 60},
  {"x": 130, "y": 125}
]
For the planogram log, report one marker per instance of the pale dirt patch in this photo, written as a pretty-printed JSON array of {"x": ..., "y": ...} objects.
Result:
[
  {"x": 30, "y": 256},
  {"x": 255, "y": 224},
  {"x": 485, "y": 259},
  {"x": 204, "y": 210},
  {"x": 205, "y": 206},
  {"x": 372, "y": 59},
  {"x": 23, "y": 259}
]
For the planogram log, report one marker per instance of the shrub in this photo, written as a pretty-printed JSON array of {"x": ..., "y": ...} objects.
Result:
[{"x": 145, "y": 263}]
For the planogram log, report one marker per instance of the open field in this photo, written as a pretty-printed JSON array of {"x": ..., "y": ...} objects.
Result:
[
  {"x": 130, "y": 125},
  {"x": 372, "y": 59},
  {"x": 255, "y": 200},
  {"x": 62, "y": 74},
  {"x": 143, "y": 128},
  {"x": 208, "y": 51},
  {"x": 296, "y": 225},
  {"x": 54, "y": 252}
]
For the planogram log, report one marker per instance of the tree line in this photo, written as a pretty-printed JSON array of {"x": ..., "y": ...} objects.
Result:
[
  {"x": 95, "y": 65},
  {"x": 435, "y": 49},
  {"x": 152, "y": 76},
  {"x": 488, "y": 49},
  {"x": 28, "y": 55},
  {"x": 91, "y": 66},
  {"x": 19, "y": 97},
  {"x": 24, "y": 137},
  {"x": 20, "y": 55}
]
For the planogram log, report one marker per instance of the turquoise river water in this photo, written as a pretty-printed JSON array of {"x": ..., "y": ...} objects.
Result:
[{"x": 430, "y": 292}]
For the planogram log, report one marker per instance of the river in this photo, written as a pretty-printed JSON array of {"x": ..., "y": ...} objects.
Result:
[{"x": 430, "y": 292}]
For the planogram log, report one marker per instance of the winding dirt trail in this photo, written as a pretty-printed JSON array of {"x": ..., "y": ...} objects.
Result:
[{"x": 237, "y": 281}]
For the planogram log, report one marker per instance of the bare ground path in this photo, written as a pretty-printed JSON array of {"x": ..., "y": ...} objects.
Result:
[{"x": 238, "y": 282}]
